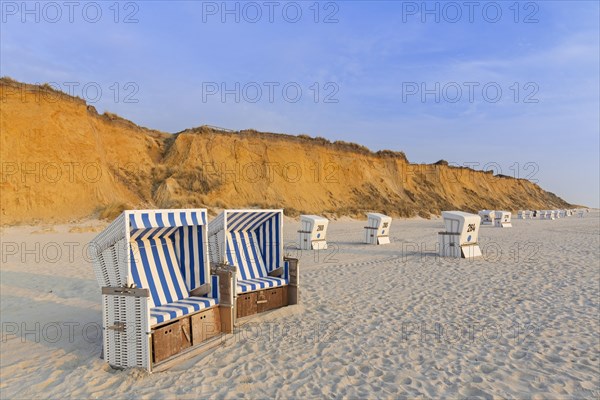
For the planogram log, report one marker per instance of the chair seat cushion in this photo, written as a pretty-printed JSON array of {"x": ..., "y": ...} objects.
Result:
[
  {"x": 170, "y": 311},
  {"x": 250, "y": 285}
]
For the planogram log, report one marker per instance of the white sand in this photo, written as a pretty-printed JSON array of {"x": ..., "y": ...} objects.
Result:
[{"x": 375, "y": 321}]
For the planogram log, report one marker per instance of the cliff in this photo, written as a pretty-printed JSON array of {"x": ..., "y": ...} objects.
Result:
[{"x": 62, "y": 161}]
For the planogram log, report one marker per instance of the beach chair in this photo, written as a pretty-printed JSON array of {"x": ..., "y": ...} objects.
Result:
[
  {"x": 487, "y": 217},
  {"x": 313, "y": 232},
  {"x": 377, "y": 230},
  {"x": 542, "y": 214},
  {"x": 460, "y": 240},
  {"x": 158, "y": 297},
  {"x": 502, "y": 219},
  {"x": 248, "y": 244}
]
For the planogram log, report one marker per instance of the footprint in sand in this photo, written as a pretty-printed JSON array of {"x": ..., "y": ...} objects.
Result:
[
  {"x": 475, "y": 393},
  {"x": 486, "y": 368},
  {"x": 554, "y": 359},
  {"x": 517, "y": 354}
]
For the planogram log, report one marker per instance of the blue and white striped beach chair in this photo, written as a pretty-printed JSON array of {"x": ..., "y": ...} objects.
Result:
[
  {"x": 147, "y": 262},
  {"x": 252, "y": 241}
]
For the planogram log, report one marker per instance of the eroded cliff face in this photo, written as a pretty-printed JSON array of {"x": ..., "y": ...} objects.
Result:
[{"x": 62, "y": 161}]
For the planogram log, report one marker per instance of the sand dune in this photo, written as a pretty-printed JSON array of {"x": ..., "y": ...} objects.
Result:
[
  {"x": 61, "y": 162},
  {"x": 388, "y": 321}
]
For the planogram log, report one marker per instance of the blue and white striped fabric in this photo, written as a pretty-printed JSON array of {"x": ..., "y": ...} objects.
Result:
[
  {"x": 183, "y": 227},
  {"x": 266, "y": 225},
  {"x": 244, "y": 252},
  {"x": 154, "y": 266},
  {"x": 191, "y": 253},
  {"x": 248, "y": 220},
  {"x": 252, "y": 243},
  {"x": 179, "y": 308},
  {"x": 164, "y": 219},
  {"x": 214, "y": 288},
  {"x": 186, "y": 306},
  {"x": 269, "y": 237},
  {"x": 251, "y": 285},
  {"x": 150, "y": 233},
  {"x": 168, "y": 256}
]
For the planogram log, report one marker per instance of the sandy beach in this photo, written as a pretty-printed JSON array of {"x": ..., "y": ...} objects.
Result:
[{"x": 388, "y": 321}]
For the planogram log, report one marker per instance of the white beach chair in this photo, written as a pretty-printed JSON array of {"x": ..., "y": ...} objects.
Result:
[
  {"x": 249, "y": 244},
  {"x": 377, "y": 230},
  {"x": 502, "y": 219},
  {"x": 313, "y": 232},
  {"x": 460, "y": 240},
  {"x": 487, "y": 217},
  {"x": 158, "y": 297}
]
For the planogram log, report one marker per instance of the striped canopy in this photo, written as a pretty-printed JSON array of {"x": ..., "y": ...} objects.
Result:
[
  {"x": 144, "y": 219},
  {"x": 249, "y": 239},
  {"x": 168, "y": 252}
]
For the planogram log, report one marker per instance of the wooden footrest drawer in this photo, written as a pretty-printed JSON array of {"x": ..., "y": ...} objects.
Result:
[
  {"x": 262, "y": 300},
  {"x": 205, "y": 325},
  {"x": 171, "y": 339},
  {"x": 246, "y": 304},
  {"x": 270, "y": 299}
]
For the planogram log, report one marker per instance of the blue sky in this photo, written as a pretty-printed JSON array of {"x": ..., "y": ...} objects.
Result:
[{"x": 362, "y": 67}]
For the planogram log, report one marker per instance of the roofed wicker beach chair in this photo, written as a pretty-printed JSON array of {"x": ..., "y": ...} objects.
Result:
[
  {"x": 460, "y": 240},
  {"x": 487, "y": 217},
  {"x": 313, "y": 233},
  {"x": 248, "y": 244},
  {"x": 377, "y": 230},
  {"x": 503, "y": 219},
  {"x": 159, "y": 300}
]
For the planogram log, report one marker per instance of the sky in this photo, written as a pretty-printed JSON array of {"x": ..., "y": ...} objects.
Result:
[{"x": 509, "y": 86}]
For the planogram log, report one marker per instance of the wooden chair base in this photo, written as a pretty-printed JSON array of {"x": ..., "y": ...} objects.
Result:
[
  {"x": 178, "y": 336},
  {"x": 261, "y": 301}
]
